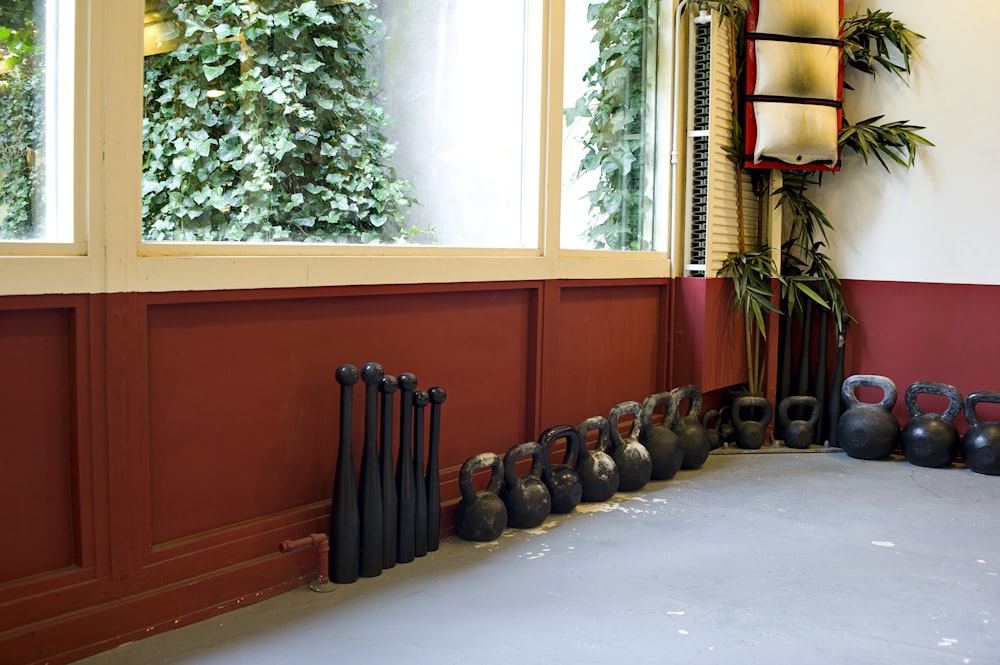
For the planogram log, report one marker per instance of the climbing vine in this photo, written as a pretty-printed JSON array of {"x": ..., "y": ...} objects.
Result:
[
  {"x": 20, "y": 105},
  {"x": 264, "y": 124},
  {"x": 616, "y": 110}
]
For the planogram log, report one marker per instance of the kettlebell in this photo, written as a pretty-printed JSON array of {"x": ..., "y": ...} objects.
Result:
[
  {"x": 727, "y": 433},
  {"x": 868, "y": 431},
  {"x": 751, "y": 415},
  {"x": 631, "y": 457},
  {"x": 598, "y": 471},
  {"x": 928, "y": 438},
  {"x": 480, "y": 516},
  {"x": 691, "y": 434},
  {"x": 527, "y": 498},
  {"x": 664, "y": 449},
  {"x": 799, "y": 432},
  {"x": 562, "y": 480},
  {"x": 981, "y": 445},
  {"x": 712, "y": 421}
]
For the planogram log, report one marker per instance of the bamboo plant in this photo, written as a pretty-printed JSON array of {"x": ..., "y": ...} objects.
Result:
[{"x": 873, "y": 41}]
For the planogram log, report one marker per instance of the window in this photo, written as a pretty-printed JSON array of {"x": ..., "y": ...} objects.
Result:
[
  {"x": 342, "y": 122},
  {"x": 609, "y": 78},
  {"x": 36, "y": 112}
]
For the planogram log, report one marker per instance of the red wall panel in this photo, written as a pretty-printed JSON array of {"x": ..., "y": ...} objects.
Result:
[
  {"x": 243, "y": 404},
  {"x": 37, "y": 447},
  {"x": 925, "y": 332},
  {"x": 709, "y": 347},
  {"x": 603, "y": 345}
]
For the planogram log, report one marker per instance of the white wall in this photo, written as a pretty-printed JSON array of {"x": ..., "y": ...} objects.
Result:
[{"x": 938, "y": 222}]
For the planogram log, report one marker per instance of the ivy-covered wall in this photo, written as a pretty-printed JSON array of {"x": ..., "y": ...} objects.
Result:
[{"x": 264, "y": 124}]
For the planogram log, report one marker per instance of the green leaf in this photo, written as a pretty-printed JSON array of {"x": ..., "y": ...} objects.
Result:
[{"x": 213, "y": 72}]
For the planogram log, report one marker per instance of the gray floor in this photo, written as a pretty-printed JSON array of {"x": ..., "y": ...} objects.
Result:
[{"x": 764, "y": 558}]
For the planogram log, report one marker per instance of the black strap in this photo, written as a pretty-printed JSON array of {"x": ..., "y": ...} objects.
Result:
[
  {"x": 814, "y": 101},
  {"x": 768, "y": 36}
]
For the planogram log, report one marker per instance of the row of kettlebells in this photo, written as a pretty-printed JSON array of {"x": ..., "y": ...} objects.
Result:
[
  {"x": 617, "y": 463},
  {"x": 930, "y": 439}
]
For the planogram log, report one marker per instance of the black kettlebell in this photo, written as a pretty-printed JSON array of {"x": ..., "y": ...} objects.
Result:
[
  {"x": 868, "y": 431},
  {"x": 664, "y": 449},
  {"x": 799, "y": 432},
  {"x": 631, "y": 457},
  {"x": 481, "y": 516},
  {"x": 562, "y": 480},
  {"x": 727, "y": 433},
  {"x": 981, "y": 445},
  {"x": 928, "y": 438},
  {"x": 527, "y": 498},
  {"x": 597, "y": 469},
  {"x": 712, "y": 421},
  {"x": 751, "y": 415},
  {"x": 691, "y": 434}
]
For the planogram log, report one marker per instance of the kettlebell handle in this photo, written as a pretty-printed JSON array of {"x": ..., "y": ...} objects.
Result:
[
  {"x": 473, "y": 464},
  {"x": 619, "y": 411},
  {"x": 689, "y": 392},
  {"x": 751, "y": 402},
  {"x": 538, "y": 462},
  {"x": 799, "y": 400},
  {"x": 599, "y": 423},
  {"x": 651, "y": 404},
  {"x": 712, "y": 416},
  {"x": 852, "y": 383},
  {"x": 553, "y": 434},
  {"x": 933, "y": 388},
  {"x": 979, "y": 397}
]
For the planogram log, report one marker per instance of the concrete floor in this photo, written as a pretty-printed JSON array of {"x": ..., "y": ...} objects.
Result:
[{"x": 755, "y": 558}]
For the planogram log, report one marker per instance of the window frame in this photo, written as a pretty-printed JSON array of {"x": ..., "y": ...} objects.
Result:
[{"x": 109, "y": 255}]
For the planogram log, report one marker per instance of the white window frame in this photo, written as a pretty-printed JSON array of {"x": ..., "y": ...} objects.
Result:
[{"x": 108, "y": 186}]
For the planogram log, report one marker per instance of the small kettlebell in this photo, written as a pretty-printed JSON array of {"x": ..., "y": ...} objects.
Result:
[
  {"x": 799, "y": 432},
  {"x": 664, "y": 449},
  {"x": 981, "y": 445},
  {"x": 527, "y": 498},
  {"x": 712, "y": 421},
  {"x": 691, "y": 434},
  {"x": 868, "y": 431},
  {"x": 931, "y": 439},
  {"x": 597, "y": 469},
  {"x": 562, "y": 480},
  {"x": 726, "y": 430},
  {"x": 751, "y": 415},
  {"x": 631, "y": 457},
  {"x": 480, "y": 516}
]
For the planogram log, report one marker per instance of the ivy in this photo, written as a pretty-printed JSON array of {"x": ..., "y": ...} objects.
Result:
[
  {"x": 615, "y": 108},
  {"x": 20, "y": 106},
  {"x": 265, "y": 125}
]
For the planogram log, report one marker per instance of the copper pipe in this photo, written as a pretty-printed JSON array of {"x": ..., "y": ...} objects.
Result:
[{"x": 321, "y": 542}]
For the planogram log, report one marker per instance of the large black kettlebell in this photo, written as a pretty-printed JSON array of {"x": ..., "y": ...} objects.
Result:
[
  {"x": 799, "y": 432},
  {"x": 631, "y": 457},
  {"x": 527, "y": 498},
  {"x": 691, "y": 434},
  {"x": 928, "y": 438},
  {"x": 481, "y": 516},
  {"x": 664, "y": 449},
  {"x": 981, "y": 445},
  {"x": 597, "y": 469},
  {"x": 751, "y": 415},
  {"x": 562, "y": 480},
  {"x": 868, "y": 431}
]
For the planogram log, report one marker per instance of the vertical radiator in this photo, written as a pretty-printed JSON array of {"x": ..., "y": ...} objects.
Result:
[{"x": 710, "y": 201}]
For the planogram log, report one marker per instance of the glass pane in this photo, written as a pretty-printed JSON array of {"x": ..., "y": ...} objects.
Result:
[
  {"x": 608, "y": 95},
  {"x": 36, "y": 110},
  {"x": 338, "y": 121}
]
